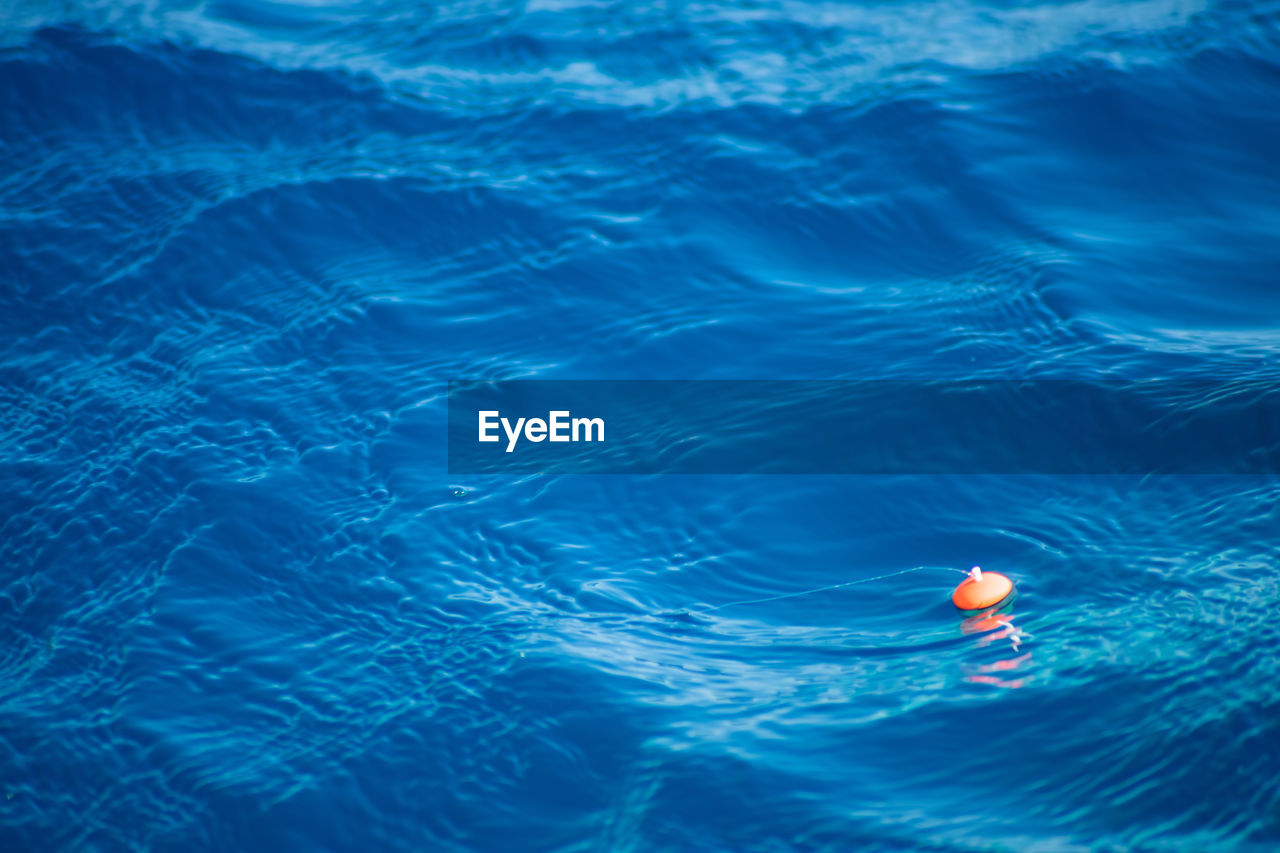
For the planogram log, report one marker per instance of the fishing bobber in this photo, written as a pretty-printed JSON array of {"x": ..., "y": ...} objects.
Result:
[{"x": 981, "y": 590}]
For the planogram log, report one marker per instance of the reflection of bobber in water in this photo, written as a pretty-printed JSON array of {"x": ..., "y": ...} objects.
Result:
[
  {"x": 996, "y": 626},
  {"x": 986, "y": 672}
]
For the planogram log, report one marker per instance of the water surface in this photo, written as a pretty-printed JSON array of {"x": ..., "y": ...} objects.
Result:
[{"x": 245, "y": 245}]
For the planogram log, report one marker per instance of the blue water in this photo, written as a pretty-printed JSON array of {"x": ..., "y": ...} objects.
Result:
[{"x": 246, "y": 244}]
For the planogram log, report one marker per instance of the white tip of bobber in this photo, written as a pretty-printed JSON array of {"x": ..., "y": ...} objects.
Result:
[{"x": 976, "y": 573}]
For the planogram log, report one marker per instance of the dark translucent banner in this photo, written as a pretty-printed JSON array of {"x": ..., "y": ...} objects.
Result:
[{"x": 864, "y": 427}]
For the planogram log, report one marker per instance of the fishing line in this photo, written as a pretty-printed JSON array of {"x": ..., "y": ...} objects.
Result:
[{"x": 830, "y": 588}]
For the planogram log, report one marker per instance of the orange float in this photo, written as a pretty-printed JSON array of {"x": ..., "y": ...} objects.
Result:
[{"x": 981, "y": 589}]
